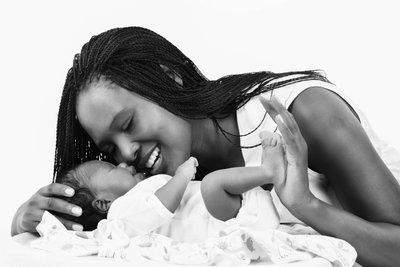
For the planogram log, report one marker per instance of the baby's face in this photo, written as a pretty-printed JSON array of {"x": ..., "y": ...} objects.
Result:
[{"x": 110, "y": 182}]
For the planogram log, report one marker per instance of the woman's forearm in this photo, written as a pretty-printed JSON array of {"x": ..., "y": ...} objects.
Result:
[{"x": 377, "y": 244}]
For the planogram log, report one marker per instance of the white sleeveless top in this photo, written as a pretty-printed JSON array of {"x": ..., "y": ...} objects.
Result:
[{"x": 251, "y": 114}]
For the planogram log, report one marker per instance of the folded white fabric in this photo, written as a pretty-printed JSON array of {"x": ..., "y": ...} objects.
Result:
[
  {"x": 240, "y": 246},
  {"x": 234, "y": 245},
  {"x": 108, "y": 240}
]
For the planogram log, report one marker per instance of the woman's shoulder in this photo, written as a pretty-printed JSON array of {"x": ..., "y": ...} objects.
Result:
[
  {"x": 288, "y": 94},
  {"x": 252, "y": 114},
  {"x": 316, "y": 103}
]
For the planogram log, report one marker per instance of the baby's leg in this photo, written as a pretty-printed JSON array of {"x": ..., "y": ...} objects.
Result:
[
  {"x": 273, "y": 158},
  {"x": 221, "y": 190}
]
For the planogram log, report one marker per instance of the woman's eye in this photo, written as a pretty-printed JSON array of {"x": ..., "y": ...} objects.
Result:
[
  {"x": 111, "y": 150},
  {"x": 126, "y": 127}
]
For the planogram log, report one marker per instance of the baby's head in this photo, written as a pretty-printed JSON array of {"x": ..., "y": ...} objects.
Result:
[{"x": 97, "y": 184}]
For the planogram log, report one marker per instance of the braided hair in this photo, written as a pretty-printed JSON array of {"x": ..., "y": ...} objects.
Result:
[{"x": 143, "y": 62}]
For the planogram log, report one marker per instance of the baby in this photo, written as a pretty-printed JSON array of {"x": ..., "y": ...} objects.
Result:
[{"x": 178, "y": 207}]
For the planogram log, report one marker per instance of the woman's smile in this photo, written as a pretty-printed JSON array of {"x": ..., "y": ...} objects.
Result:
[
  {"x": 153, "y": 157},
  {"x": 155, "y": 168},
  {"x": 152, "y": 161}
]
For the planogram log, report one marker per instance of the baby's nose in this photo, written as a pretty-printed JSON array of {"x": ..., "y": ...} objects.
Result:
[
  {"x": 130, "y": 168},
  {"x": 123, "y": 165}
]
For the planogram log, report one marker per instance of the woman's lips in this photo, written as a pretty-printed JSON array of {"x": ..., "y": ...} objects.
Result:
[
  {"x": 153, "y": 158},
  {"x": 151, "y": 161},
  {"x": 157, "y": 164}
]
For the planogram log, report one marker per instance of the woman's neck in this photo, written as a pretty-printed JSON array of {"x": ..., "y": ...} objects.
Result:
[{"x": 211, "y": 147}]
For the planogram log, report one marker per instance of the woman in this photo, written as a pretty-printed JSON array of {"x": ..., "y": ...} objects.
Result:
[{"x": 130, "y": 91}]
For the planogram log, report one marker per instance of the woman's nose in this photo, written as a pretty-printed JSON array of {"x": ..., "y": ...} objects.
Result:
[{"x": 129, "y": 151}]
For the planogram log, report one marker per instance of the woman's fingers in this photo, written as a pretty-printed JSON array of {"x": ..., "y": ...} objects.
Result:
[
  {"x": 70, "y": 225},
  {"x": 47, "y": 199},
  {"x": 59, "y": 205},
  {"x": 268, "y": 107},
  {"x": 287, "y": 134},
  {"x": 32, "y": 218},
  {"x": 29, "y": 220},
  {"x": 285, "y": 114},
  {"x": 276, "y": 110},
  {"x": 56, "y": 189},
  {"x": 292, "y": 139}
]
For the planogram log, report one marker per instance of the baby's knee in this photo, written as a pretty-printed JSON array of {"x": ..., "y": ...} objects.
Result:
[
  {"x": 211, "y": 192},
  {"x": 206, "y": 189}
]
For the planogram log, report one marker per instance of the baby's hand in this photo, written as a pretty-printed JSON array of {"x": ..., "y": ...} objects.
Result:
[{"x": 188, "y": 168}]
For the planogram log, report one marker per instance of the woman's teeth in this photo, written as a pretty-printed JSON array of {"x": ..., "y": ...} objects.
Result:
[{"x": 153, "y": 158}]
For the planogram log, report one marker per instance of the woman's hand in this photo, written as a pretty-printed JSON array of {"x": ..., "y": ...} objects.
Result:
[
  {"x": 30, "y": 213},
  {"x": 293, "y": 190}
]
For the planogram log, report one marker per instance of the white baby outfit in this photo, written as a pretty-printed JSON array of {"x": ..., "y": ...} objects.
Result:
[
  {"x": 142, "y": 212},
  {"x": 250, "y": 116}
]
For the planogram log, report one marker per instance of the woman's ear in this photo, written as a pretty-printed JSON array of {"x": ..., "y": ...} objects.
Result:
[{"x": 101, "y": 205}]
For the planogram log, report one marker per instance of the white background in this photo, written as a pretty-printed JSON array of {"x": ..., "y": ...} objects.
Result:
[{"x": 355, "y": 42}]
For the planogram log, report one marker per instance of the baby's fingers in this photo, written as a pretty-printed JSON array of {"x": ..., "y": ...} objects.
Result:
[{"x": 194, "y": 161}]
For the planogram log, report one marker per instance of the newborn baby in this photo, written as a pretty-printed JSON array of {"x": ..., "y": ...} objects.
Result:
[{"x": 176, "y": 206}]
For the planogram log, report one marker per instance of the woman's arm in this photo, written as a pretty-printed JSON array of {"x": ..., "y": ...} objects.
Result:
[
  {"x": 172, "y": 192},
  {"x": 339, "y": 148},
  {"x": 221, "y": 190},
  {"x": 30, "y": 213}
]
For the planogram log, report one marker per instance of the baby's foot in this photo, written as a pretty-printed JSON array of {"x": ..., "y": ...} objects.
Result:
[{"x": 273, "y": 158}]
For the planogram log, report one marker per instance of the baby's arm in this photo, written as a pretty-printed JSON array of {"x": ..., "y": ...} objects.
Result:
[
  {"x": 141, "y": 211},
  {"x": 172, "y": 192}
]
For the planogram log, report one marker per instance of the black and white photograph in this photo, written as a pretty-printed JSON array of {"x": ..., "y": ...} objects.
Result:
[{"x": 200, "y": 133}]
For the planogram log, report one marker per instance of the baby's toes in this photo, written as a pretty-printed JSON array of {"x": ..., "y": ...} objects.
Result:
[{"x": 269, "y": 139}]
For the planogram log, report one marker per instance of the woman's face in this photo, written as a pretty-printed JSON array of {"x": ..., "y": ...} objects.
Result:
[{"x": 133, "y": 129}]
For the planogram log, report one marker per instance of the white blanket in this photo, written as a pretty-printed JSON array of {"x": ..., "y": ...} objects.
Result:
[{"x": 234, "y": 246}]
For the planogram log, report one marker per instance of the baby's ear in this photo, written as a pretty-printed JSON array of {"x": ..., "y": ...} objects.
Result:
[{"x": 101, "y": 205}]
